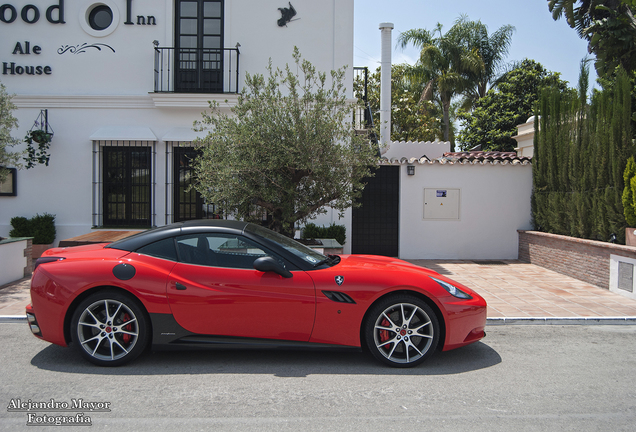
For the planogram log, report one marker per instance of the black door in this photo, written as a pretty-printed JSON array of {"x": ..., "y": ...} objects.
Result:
[
  {"x": 199, "y": 46},
  {"x": 126, "y": 185},
  {"x": 375, "y": 226}
]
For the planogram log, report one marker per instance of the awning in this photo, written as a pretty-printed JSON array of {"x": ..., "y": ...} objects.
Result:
[
  {"x": 177, "y": 134},
  {"x": 123, "y": 133}
]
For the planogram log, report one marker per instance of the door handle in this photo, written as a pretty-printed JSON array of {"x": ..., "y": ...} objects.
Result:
[{"x": 180, "y": 287}]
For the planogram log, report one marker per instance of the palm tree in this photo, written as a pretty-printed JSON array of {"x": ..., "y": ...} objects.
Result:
[
  {"x": 445, "y": 65},
  {"x": 583, "y": 16},
  {"x": 608, "y": 25},
  {"x": 492, "y": 49}
]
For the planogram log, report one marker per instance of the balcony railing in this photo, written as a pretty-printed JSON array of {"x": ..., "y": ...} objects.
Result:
[
  {"x": 363, "y": 118},
  {"x": 196, "y": 70}
]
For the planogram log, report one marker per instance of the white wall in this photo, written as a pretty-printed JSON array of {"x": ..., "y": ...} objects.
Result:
[
  {"x": 494, "y": 204},
  {"x": 12, "y": 261},
  {"x": 323, "y": 31},
  {"x": 64, "y": 188}
]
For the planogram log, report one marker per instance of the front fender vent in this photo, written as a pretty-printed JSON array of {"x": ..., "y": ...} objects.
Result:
[{"x": 338, "y": 297}]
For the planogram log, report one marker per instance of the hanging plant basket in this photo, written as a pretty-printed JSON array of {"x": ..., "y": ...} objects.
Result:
[
  {"x": 41, "y": 134},
  {"x": 41, "y": 137}
]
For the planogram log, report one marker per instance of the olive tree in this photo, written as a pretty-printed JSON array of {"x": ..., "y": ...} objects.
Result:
[
  {"x": 286, "y": 150},
  {"x": 7, "y": 123}
]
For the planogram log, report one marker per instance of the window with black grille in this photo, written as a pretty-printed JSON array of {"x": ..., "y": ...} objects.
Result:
[
  {"x": 183, "y": 201},
  {"x": 123, "y": 184},
  {"x": 188, "y": 202}
]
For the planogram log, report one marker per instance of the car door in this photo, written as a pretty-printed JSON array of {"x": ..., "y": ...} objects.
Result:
[{"x": 214, "y": 289}]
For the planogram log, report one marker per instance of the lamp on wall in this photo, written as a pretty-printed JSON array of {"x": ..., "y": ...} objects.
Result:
[{"x": 410, "y": 170}]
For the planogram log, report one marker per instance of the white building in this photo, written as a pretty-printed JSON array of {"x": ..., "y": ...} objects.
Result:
[
  {"x": 122, "y": 82},
  {"x": 466, "y": 205}
]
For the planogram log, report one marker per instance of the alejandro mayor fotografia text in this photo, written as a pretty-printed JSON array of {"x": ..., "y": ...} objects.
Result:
[{"x": 36, "y": 411}]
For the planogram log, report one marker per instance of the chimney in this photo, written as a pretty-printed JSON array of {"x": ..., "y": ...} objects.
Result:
[{"x": 385, "y": 84}]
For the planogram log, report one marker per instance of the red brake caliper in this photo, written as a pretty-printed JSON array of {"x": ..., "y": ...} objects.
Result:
[
  {"x": 126, "y": 337},
  {"x": 384, "y": 334}
]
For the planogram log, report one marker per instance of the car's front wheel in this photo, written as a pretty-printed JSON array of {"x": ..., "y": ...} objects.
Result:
[
  {"x": 401, "y": 331},
  {"x": 109, "y": 328}
]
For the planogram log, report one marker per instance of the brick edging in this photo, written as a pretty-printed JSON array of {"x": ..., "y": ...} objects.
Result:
[
  {"x": 586, "y": 260},
  {"x": 28, "y": 269}
]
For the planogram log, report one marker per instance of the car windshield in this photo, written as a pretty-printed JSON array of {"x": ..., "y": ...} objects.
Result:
[{"x": 300, "y": 250}]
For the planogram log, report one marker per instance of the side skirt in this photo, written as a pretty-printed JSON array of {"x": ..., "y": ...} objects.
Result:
[{"x": 167, "y": 334}]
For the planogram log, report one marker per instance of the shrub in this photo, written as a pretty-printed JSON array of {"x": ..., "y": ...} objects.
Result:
[
  {"x": 40, "y": 227},
  {"x": 338, "y": 232},
  {"x": 43, "y": 227},
  {"x": 21, "y": 227}
]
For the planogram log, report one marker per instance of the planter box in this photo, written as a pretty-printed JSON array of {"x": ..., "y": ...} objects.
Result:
[
  {"x": 38, "y": 250},
  {"x": 324, "y": 246}
]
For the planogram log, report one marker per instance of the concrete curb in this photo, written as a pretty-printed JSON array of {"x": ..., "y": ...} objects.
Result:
[
  {"x": 13, "y": 318},
  {"x": 489, "y": 321},
  {"x": 563, "y": 321}
]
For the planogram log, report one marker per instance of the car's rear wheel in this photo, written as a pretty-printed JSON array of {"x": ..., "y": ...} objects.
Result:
[
  {"x": 401, "y": 331},
  {"x": 109, "y": 328}
]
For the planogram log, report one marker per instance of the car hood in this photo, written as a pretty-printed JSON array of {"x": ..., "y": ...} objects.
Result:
[
  {"x": 379, "y": 263},
  {"x": 390, "y": 272}
]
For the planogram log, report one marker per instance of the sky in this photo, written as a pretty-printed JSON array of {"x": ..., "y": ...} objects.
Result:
[{"x": 537, "y": 36}]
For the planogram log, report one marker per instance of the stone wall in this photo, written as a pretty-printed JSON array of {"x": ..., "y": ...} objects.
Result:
[{"x": 586, "y": 260}]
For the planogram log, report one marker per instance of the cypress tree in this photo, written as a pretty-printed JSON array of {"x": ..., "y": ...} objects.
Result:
[{"x": 580, "y": 156}]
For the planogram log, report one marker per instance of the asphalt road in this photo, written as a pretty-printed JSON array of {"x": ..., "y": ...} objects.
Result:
[{"x": 520, "y": 378}]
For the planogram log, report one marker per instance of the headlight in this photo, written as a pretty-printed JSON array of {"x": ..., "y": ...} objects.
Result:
[{"x": 452, "y": 289}]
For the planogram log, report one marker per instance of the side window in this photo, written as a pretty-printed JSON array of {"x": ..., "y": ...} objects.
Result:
[
  {"x": 219, "y": 250},
  {"x": 160, "y": 249}
]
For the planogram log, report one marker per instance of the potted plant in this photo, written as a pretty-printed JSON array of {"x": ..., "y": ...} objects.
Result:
[
  {"x": 40, "y": 227},
  {"x": 337, "y": 232}
]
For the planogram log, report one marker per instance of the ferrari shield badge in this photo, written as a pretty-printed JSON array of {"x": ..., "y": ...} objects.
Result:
[{"x": 339, "y": 280}]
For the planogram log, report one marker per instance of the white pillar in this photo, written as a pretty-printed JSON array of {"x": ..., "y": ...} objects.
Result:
[{"x": 385, "y": 84}]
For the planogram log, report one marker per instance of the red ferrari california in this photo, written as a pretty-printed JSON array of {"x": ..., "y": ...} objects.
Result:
[{"x": 229, "y": 283}]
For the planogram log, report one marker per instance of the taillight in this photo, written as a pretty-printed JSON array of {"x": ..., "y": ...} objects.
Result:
[{"x": 43, "y": 260}]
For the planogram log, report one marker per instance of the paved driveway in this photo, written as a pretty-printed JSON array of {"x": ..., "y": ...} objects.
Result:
[{"x": 516, "y": 289}]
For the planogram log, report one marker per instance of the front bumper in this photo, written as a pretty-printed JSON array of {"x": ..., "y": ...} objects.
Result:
[{"x": 33, "y": 322}]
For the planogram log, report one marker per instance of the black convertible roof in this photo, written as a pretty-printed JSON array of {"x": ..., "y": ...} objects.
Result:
[{"x": 142, "y": 239}]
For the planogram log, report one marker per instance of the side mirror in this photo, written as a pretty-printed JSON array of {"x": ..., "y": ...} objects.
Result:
[{"x": 269, "y": 264}]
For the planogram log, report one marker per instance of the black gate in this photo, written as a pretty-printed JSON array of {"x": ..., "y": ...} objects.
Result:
[
  {"x": 199, "y": 46},
  {"x": 375, "y": 226}
]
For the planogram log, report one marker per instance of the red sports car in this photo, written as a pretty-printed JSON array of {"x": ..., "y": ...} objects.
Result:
[{"x": 225, "y": 283}]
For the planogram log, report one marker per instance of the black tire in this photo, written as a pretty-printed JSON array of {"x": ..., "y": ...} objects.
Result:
[
  {"x": 401, "y": 331},
  {"x": 109, "y": 328}
]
